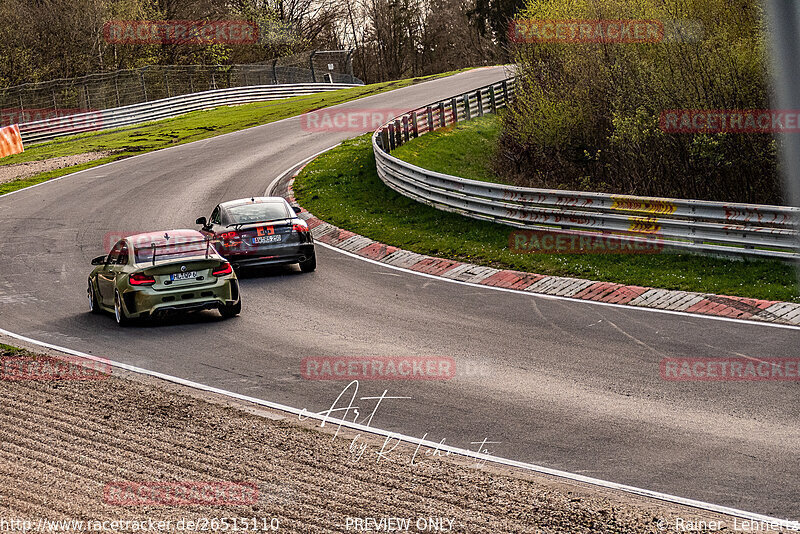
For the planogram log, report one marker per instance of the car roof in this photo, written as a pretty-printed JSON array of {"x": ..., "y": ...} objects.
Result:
[
  {"x": 252, "y": 200},
  {"x": 160, "y": 238}
]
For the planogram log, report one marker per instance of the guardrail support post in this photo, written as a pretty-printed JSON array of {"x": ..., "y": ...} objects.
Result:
[
  {"x": 430, "y": 118},
  {"x": 385, "y": 139},
  {"x": 398, "y": 131}
]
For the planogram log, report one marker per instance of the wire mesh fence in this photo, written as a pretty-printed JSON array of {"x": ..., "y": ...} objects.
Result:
[{"x": 65, "y": 97}]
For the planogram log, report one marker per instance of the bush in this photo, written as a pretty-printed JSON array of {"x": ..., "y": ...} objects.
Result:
[{"x": 586, "y": 116}]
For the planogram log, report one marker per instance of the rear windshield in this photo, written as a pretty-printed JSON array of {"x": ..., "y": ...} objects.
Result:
[
  {"x": 260, "y": 212},
  {"x": 188, "y": 249}
]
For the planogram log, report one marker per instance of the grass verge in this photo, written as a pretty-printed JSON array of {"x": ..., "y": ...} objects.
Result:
[
  {"x": 342, "y": 187},
  {"x": 465, "y": 149},
  {"x": 194, "y": 126}
]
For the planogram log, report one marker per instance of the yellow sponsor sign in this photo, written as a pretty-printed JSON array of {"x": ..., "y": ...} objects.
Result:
[
  {"x": 644, "y": 226},
  {"x": 662, "y": 207}
]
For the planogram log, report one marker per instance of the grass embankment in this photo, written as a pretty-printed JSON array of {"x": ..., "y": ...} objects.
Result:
[
  {"x": 194, "y": 126},
  {"x": 342, "y": 187}
]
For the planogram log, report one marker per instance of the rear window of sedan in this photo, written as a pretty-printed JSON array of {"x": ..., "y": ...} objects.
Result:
[
  {"x": 257, "y": 212},
  {"x": 189, "y": 249}
]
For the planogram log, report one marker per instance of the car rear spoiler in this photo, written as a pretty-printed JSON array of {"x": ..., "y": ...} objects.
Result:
[{"x": 205, "y": 241}]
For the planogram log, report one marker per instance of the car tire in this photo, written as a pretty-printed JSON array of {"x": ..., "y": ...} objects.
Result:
[
  {"x": 310, "y": 264},
  {"x": 94, "y": 307},
  {"x": 231, "y": 310},
  {"x": 119, "y": 311}
]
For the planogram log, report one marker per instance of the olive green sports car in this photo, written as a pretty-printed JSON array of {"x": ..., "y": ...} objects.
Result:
[{"x": 149, "y": 275}]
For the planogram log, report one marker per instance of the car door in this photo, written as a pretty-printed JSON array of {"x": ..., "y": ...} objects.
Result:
[{"x": 105, "y": 276}]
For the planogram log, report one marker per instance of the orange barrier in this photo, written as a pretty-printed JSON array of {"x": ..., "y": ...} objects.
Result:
[{"x": 10, "y": 141}]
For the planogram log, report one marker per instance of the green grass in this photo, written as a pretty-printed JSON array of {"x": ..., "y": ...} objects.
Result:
[
  {"x": 343, "y": 188},
  {"x": 8, "y": 350},
  {"x": 465, "y": 149},
  {"x": 132, "y": 140}
]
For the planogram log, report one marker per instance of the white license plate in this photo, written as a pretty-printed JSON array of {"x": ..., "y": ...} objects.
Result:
[
  {"x": 267, "y": 239},
  {"x": 188, "y": 275}
]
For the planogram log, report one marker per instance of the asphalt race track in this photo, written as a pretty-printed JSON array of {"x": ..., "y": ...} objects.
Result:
[{"x": 564, "y": 384}]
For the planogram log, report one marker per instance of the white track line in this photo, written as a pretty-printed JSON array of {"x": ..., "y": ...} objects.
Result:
[{"x": 785, "y": 523}]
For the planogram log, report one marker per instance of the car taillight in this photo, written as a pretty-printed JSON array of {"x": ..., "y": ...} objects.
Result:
[
  {"x": 223, "y": 269},
  {"x": 139, "y": 279},
  {"x": 230, "y": 239},
  {"x": 300, "y": 227}
]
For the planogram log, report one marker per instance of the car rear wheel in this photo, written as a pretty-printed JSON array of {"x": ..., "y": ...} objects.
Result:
[
  {"x": 94, "y": 307},
  {"x": 230, "y": 310},
  {"x": 119, "y": 312},
  {"x": 310, "y": 264}
]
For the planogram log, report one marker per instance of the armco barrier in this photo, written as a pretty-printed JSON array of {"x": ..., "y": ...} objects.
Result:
[
  {"x": 702, "y": 226},
  {"x": 49, "y": 129}
]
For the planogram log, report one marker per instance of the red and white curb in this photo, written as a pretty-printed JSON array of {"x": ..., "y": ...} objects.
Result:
[{"x": 768, "y": 311}]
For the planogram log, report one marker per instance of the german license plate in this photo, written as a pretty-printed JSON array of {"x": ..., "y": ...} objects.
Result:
[
  {"x": 275, "y": 238},
  {"x": 188, "y": 275}
]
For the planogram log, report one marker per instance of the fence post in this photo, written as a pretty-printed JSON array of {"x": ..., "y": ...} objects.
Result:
[
  {"x": 275, "y": 72},
  {"x": 467, "y": 112},
  {"x": 505, "y": 94},
  {"x": 116, "y": 86},
  {"x": 430, "y": 118},
  {"x": 480, "y": 103},
  {"x": 144, "y": 86},
  {"x": 390, "y": 129},
  {"x": 88, "y": 101},
  {"x": 311, "y": 66},
  {"x": 166, "y": 82},
  {"x": 454, "y": 104},
  {"x": 406, "y": 128},
  {"x": 442, "y": 121},
  {"x": 414, "y": 124},
  {"x": 493, "y": 105}
]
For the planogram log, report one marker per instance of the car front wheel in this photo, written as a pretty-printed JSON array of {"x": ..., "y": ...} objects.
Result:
[{"x": 94, "y": 307}]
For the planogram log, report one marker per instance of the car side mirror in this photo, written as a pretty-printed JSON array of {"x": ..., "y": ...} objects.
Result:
[
  {"x": 99, "y": 260},
  {"x": 202, "y": 221},
  {"x": 297, "y": 209}
]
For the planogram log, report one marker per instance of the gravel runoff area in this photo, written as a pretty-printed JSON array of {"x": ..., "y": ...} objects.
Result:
[
  {"x": 66, "y": 444},
  {"x": 17, "y": 171}
]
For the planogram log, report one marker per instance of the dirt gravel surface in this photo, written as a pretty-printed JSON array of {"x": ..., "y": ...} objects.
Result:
[
  {"x": 63, "y": 442},
  {"x": 17, "y": 171}
]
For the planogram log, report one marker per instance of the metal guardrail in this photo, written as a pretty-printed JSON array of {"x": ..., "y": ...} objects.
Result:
[
  {"x": 697, "y": 225},
  {"x": 49, "y": 129}
]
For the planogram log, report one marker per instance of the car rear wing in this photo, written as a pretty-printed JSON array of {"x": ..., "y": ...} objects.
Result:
[{"x": 202, "y": 246}]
